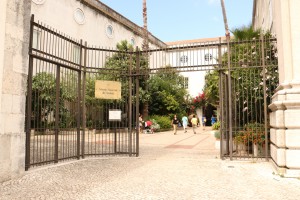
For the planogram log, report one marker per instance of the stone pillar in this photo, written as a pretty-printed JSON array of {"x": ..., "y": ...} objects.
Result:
[
  {"x": 285, "y": 106},
  {"x": 14, "y": 40}
]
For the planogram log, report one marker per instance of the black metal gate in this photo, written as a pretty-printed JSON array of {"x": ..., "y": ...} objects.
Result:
[
  {"x": 64, "y": 120},
  {"x": 248, "y": 79}
]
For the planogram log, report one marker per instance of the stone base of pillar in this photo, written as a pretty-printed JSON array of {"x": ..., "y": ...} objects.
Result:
[
  {"x": 285, "y": 172},
  {"x": 12, "y": 156},
  {"x": 285, "y": 131}
]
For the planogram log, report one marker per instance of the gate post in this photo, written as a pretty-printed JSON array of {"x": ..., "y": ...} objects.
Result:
[
  {"x": 229, "y": 97},
  {"x": 29, "y": 98},
  {"x": 220, "y": 97},
  {"x": 79, "y": 103},
  {"x": 265, "y": 97},
  {"x": 130, "y": 103},
  {"x": 83, "y": 101}
]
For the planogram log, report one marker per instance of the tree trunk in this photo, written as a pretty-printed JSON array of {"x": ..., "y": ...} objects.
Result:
[{"x": 145, "y": 48}]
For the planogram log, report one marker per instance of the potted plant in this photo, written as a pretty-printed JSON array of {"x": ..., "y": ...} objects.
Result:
[
  {"x": 217, "y": 135},
  {"x": 256, "y": 132},
  {"x": 252, "y": 135}
]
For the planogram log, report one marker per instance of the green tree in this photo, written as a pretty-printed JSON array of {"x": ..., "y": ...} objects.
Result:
[
  {"x": 168, "y": 92},
  {"x": 211, "y": 87},
  {"x": 43, "y": 102}
]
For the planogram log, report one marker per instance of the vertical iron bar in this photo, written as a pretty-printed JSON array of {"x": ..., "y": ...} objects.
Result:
[
  {"x": 57, "y": 99},
  {"x": 265, "y": 97},
  {"x": 220, "y": 96},
  {"x": 229, "y": 97},
  {"x": 137, "y": 99},
  {"x": 115, "y": 138},
  {"x": 226, "y": 113},
  {"x": 83, "y": 100},
  {"x": 79, "y": 101},
  {"x": 29, "y": 97},
  {"x": 130, "y": 104}
]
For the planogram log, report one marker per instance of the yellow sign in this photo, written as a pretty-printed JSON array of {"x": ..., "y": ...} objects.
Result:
[{"x": 107, "y": 89}]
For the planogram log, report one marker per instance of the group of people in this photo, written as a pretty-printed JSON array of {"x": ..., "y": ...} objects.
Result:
[
  {"x": 144, "y": 125},
  {"x": 175, "y": 122},
  {"x": 185, "y": 120},
  {"x": 194, "y": 121}
]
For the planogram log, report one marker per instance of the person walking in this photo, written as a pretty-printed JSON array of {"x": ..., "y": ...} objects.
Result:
[
  {"x": 175, "y": 124},
  {"x": 213, "y": 120},
  {"x": 184, "y": 123},
  {"x": 194, "y": 123},
  {"x": 141, "y": 123},
  {"x": 203, "y": 122}
]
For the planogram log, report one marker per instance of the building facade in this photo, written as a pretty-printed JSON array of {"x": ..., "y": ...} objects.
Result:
[
  {"x": 198, "y": 60},
  {"x": 282, "y": 19},
  {"x": 91, "y": 21}
]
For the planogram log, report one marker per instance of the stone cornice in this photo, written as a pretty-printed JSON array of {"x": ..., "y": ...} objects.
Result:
[
  {"x": 277, "y": 105},
  {"x": 284, "y": 105}
]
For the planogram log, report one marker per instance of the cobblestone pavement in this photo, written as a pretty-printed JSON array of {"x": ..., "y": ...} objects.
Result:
[{"x": 183, "y": 166}]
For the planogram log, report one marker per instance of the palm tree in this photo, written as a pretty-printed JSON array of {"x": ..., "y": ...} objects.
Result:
[
  {"x": 225, "y": 19},
  {"x": 146, "y": 41},
  {"x": 246, "y": 33},
  {"x": 145, "y": 48}
]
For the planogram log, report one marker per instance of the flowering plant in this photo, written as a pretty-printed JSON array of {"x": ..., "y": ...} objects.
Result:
[
  {"x": 252, "y": 133},
  {"x": 199, "y": 100}
]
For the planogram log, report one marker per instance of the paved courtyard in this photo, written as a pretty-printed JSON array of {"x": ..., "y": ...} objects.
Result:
[{"x": 183, "y": 166}]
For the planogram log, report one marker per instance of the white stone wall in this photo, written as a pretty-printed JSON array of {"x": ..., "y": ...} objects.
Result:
[
  {"x": 285, "y": 106},
  {"x": 263, "y": 15},
  {"x": 14, "y": 36},
  {"x": 59, "y": 14}
]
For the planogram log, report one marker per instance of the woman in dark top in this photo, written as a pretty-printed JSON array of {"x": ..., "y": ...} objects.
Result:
[{"x": 175, "y": 124}]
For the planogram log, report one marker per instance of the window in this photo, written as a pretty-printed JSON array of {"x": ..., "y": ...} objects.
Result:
[
  {"x": 132, "y": 41},
  {"x": 186, "y": 82},
  {"x": 184, "y": 59},
  {"x": 207, "y": 57},
  {"x": 109, "y": 31},
  {"x": 79, "y": 16}
]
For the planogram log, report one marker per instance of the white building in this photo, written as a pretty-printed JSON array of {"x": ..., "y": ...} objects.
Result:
[
  {"x": 91, "y": 21},
  {"x": 195, "y": 62}
]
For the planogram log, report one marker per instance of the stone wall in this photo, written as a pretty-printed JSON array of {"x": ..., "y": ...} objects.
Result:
[
  {"x": 14, "y": 40},
  {"x": 284, "y": 119}
]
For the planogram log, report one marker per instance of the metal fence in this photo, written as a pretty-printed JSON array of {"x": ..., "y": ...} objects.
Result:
[
  {"x": 242, "y": 99},
  {"x": 64, "y": 120}
]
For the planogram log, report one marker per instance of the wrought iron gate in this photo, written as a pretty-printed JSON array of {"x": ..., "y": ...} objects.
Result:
[
  {"x": 64, "y": 120},
  {"x": 248, "y": 79}
]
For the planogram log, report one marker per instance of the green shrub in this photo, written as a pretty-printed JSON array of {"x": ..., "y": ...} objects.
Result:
[
  {"x": 217, "y": 134},
  {"x": 216, "y": 126},
  {"x": 163, "y": 121}
]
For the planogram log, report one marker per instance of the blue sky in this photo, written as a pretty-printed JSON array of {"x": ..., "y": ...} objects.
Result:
[{"x": 173, "y": 20}]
